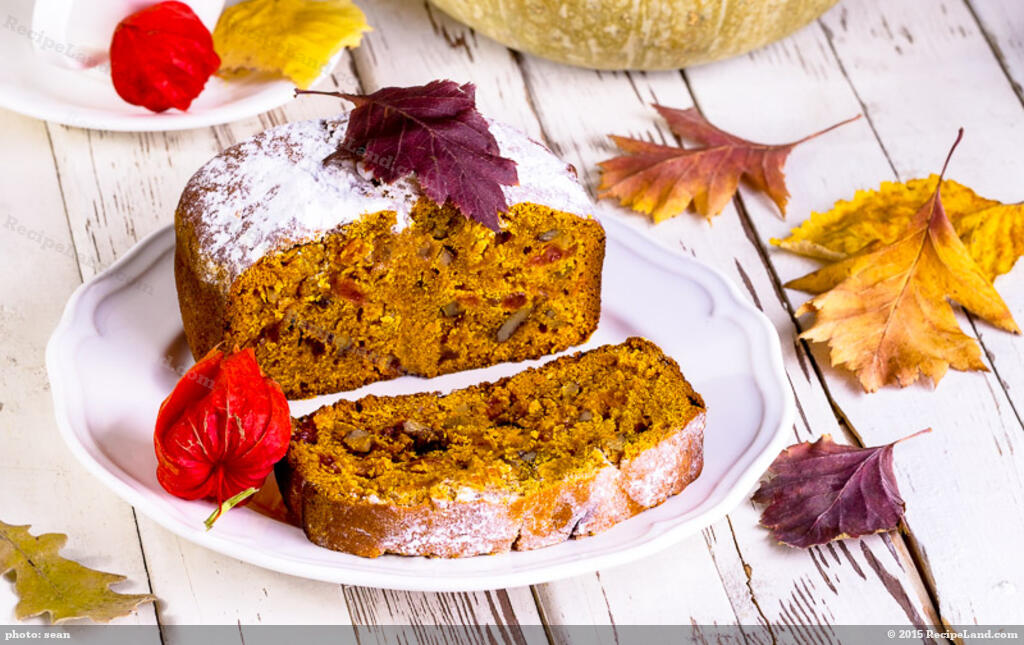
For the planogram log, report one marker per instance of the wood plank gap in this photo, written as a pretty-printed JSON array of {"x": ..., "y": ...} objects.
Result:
[
  {"x": 997, "y": 52},
  {"x": 777, "y": 285},
  {"x": 863, "y": 106},
  {"x": 848, "y": 430},
  {"x": 972, "y": 320},
  {"x": 353, "y": 70},
  {"x": 149, "y": 582},
  {"x": 545, "y": 623},
  {"x": 67, "y": 214},
  {"x": 747, "y": 570},
  {"x": 709, "y": 537},
  {"x": 851, "y": 434},
  {"x": 924, "y": 568},
  {"x": 528, "y": 93}
]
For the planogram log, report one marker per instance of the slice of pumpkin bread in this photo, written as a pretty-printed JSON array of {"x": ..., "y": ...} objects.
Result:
[{"x": 564, "y": 450}]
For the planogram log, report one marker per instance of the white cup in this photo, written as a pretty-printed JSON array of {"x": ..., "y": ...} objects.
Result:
[{"x": 76, "y": 33}]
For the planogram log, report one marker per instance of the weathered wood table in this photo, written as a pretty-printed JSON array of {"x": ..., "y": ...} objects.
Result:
[{"x": 917, "y": 69}]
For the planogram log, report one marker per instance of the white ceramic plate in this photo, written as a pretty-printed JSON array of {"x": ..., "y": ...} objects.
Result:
[
  {"x": 120, "y": 348},
  {"x": 33, "y": 86}
]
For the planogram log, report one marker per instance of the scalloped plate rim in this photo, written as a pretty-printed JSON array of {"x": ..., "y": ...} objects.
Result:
[{"x": 727, "y": 300}]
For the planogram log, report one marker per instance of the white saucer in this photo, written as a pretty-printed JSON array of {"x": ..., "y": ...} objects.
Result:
[{"x": 31, "y": 85}]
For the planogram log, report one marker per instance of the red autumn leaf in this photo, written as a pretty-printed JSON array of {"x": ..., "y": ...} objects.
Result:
[
  {"x": 662, "y": 181},
  {"x": 824, "y": 491},
  {"x": 436, "y": 132}
]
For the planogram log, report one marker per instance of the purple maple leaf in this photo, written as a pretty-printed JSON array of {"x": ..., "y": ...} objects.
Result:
[
  {"x": 436, "y": 132},
  {"x": 824, "y": 491}
]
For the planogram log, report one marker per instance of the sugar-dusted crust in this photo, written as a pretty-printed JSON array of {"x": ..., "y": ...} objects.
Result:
[
  {"x": 272, "y": 191},
  {"x": 587, "y": 500}
]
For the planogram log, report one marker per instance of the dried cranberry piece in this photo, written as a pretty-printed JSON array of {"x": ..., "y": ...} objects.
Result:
[{"x": 306, "y": 432}]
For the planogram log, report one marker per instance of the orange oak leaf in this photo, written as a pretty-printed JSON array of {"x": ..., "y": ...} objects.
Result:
[
  {"x": 662, "y": 181},
  {"x": 884, "y": 311}
]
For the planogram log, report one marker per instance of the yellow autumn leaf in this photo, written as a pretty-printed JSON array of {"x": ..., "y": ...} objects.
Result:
[
  {"x": 994, "y": 236},
  {"x": 885, "y": 312},
  {"x": 47, "y": 583},
  {"x": 992, "y": 231},
  {"x": 295, "y": 38}
]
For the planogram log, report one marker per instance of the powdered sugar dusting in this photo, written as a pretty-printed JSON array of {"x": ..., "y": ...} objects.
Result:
[
  {"x": 453, "y": 529},
  {"x": 273, "y": 191},
  {"x": 543, "y": 178},
  {"x": 652, "y": 476}
]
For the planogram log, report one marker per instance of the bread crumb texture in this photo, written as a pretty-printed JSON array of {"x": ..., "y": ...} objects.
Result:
[
  {"x": 563, "y": 450},
  {"x": 444, "y": 294}
]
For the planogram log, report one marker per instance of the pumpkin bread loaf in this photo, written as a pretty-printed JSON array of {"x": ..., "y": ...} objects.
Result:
[
  {"x": 564, "y": 450},
  {"x": 337, "y": 280}
]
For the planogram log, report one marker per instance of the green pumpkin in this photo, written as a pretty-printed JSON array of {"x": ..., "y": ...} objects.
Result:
[{"x": 635, "y": 34}]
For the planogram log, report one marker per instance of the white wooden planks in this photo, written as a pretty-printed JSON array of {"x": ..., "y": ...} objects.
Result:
[
  {"x": 41, "y": 483},
  {"x": 918, "y": 71}
]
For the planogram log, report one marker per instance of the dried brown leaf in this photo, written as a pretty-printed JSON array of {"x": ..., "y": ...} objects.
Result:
[{"x": 47, "y": 583}]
